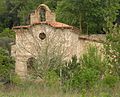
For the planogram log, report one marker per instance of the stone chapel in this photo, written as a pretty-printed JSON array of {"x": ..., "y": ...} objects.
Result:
[{"x": 45, "y": 32}]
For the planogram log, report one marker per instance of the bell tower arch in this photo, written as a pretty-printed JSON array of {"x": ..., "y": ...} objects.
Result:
[{"x": 42, "y": 14}]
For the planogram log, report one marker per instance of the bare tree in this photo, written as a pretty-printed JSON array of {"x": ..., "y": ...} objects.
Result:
[{"x": 48, "y": 51}]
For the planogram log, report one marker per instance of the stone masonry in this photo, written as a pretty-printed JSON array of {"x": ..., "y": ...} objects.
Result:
[{"x": 44, "y": 31}]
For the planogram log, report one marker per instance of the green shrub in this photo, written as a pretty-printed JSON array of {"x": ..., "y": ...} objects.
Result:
[
  {"x": 6, "y": 64},
  {"x": 91, "y": 68},
  {"x": 7, "y": 37},
  {"x": 86, "y": 72},
  {"x": 67, "y": 72},
  {"x": 93, "y": 59},
  {"x": 112, "y": 49},
  {"x": 52, "y": 79},
  {"x": 85, "y": 79},
  {"x": 110, "y": 80},
  {"x": 7, "y": 33},
  {"x": 105, "y": 95},
  {"x": 15, "y": 79},
  {"x": 70, "y": 68}
]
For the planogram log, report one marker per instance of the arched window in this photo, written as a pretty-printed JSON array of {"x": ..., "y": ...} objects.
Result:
[{"x": 42, "y": 14}]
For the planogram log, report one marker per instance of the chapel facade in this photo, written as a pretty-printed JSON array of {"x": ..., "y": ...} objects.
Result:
[{"x": 44, "y": 36}]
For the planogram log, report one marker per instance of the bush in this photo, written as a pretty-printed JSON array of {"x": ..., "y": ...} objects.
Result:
[
  {"x": 15, "y": 79},
  {"x": 86, "y": 78},
  {"x": 7, "y": 37},
  {"x": 110, "y": 80},
  {"x": 68, "y": 70},
  {"x": 6, "y": 64},
  {"x": 112, "y": 49},
  {"x": 7, "y": 33},
  {"x": 52, "y": 79},
  {"x": 86, "y": 72},
  {"x": 93, "y": 59},
  {"x": 105, "y": 95}
]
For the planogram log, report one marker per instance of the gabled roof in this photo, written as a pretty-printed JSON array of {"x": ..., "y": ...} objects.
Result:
[{"x": 52, "y": 23}]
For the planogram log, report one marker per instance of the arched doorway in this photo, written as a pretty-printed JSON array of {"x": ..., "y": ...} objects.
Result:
[{"x": 30, "y": 65}]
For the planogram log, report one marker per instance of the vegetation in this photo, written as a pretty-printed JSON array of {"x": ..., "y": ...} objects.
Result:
[
  {"x": 6, "y": 65},
  {"x": 94, "y": 74},
  {"x": 89, "y": 15},
  {"x": 86, "y": 77},
  {"x": 113, "y": 49},
  {"x": 36, "y": 90}
]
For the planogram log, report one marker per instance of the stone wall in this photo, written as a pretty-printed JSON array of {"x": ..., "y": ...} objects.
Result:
[
  {"x": 28, "y": 44},
  {"x": 59, "y": 41}
]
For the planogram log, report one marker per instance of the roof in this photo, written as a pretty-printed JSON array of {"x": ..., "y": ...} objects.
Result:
[
  {"x": 53, "y": 24},
  {"x": 100, "y": 38},
  {"x": 59, "y": 25},
  {"x": 24, "y": 27}
]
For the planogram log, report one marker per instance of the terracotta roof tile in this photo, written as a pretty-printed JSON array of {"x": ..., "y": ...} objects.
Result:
[
  {"x": 59, "y": 25},
  {"x": 24, "y": 27},
  {"x": 53, "y": 24}
]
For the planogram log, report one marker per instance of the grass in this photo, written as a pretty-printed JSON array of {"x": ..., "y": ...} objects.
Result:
[{"x": 38, "y": 90}]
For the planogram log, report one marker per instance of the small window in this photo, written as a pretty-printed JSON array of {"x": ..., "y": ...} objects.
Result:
[
  {"x": 42, "y": 36},
  {"x": 42, "y": 14}
]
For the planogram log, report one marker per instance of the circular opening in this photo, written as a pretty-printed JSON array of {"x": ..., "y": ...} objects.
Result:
[{"x": 42, "y": 36}]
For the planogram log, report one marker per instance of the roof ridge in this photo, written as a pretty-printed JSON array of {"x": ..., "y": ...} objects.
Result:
[{"x": 54, "y": 24}]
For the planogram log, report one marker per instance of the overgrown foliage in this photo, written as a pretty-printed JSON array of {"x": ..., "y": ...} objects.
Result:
[
  {"x": 6, "y": 65},
  {"x": 89, "y": 71},
  {"x": 6, "y": 61},
  {"x": 112, "y": 47}
]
